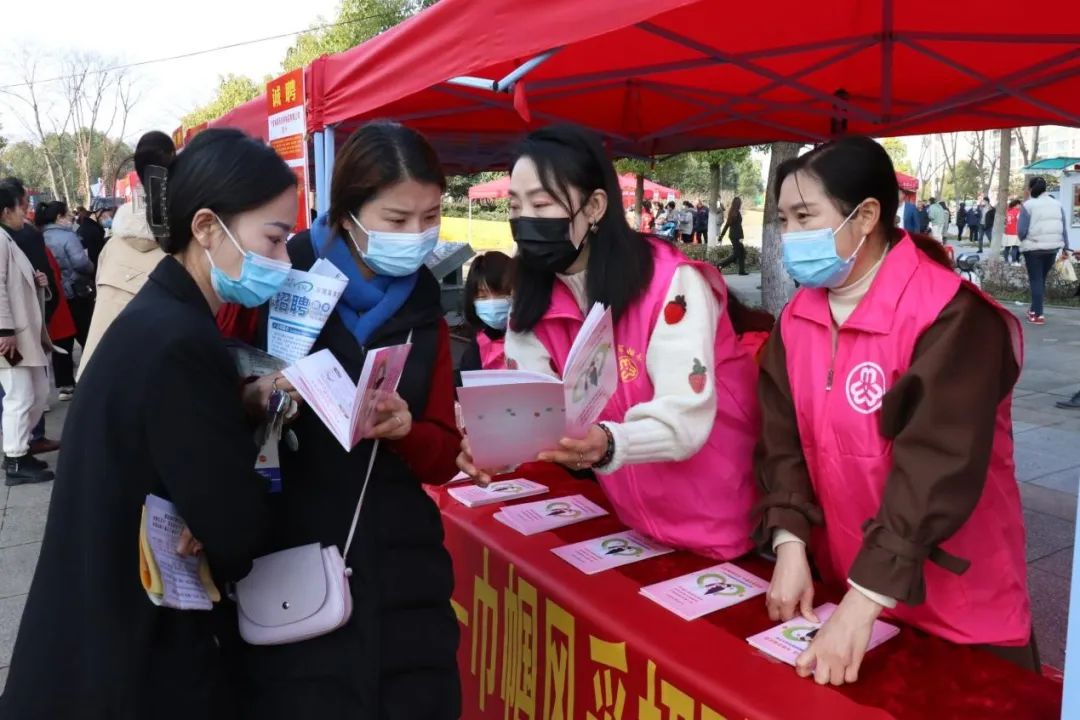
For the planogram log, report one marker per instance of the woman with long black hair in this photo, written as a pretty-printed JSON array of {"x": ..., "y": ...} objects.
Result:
[
  {"x": 887, "y": 450},
  {"x": 674, "y": 445},
  {"x": 162, "y": 411},
  {"x": 396, "y": 657}
]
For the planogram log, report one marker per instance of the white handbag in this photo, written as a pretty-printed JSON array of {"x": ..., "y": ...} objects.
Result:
[{"x": 299, "y": 593}]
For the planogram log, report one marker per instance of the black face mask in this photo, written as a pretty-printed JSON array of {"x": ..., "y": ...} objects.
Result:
[{"x": 544, "y": 243}]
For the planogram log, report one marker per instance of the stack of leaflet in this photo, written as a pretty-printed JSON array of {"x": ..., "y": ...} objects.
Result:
[
  {"x": 787, "y": 642},
  {"x": 706, "y": 591}
]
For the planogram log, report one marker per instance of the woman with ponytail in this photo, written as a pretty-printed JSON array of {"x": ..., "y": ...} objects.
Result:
[{"x": 162, "y": 411}]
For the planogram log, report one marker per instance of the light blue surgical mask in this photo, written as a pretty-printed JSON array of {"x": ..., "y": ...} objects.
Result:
[
  {"x": 395, "y": 254},
  {"x": 106, "y": 223},
  {"x": 260, "y": 277},
  {"x": 494, "y": 312},
  {"x": 810, "y": 256}
]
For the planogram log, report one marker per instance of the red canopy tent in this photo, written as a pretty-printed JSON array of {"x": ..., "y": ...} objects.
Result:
[
  {"x": 653, "y": 78},
  {"x": 249, "y": 117},
  {"x": 907, "y": 183},
  {"x": 500, "y": 188}
]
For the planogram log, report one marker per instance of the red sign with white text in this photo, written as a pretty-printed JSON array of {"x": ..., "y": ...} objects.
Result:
[{"x": 286, "y": 115}]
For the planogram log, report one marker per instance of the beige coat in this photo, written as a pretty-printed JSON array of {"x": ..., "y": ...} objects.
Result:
[
  {"x": 22, "y": 305},
  {"x": 123, "y": 267}
]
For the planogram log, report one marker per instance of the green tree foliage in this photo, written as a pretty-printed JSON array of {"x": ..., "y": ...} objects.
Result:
[
  {"x": 232, "y": 90},
  {"x": 357, "y": 21},
  {"x": 898, "y": 152},
  {"x": 27, "y": 162},
  {"x": 966, "y": 182}
]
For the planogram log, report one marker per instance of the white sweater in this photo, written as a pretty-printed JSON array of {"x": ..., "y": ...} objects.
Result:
[{"x": 675, "y": 424}]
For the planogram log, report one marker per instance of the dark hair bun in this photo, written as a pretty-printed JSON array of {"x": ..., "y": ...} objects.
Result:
[{"x": 154, "y": 148}]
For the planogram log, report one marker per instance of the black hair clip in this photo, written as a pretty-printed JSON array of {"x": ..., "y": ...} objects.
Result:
[{"x": 157, "y": 215}]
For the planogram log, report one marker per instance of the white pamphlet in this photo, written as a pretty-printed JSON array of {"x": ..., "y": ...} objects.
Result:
[
  {"x": 513, "y": 415},
  {"x": 182, "y": 587},
  {"x": 301, "y": 308},
  {"x": 475, "y": 496}
]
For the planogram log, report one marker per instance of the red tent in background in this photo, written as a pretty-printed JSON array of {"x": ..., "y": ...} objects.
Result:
[
  {"x": 654, "y": 78},
  {"x": 500, "y": 188},
  {"x": 907, "y": 183},
  {"x": 249, "y": 117}
]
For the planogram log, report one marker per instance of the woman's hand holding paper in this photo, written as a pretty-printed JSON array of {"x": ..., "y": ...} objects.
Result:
[
  {"x": 393, "y": 420},
  {"x": 578, "y": 454}
]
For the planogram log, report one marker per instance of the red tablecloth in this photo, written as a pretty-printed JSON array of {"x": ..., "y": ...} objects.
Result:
[{"x": 542, "y": 641}]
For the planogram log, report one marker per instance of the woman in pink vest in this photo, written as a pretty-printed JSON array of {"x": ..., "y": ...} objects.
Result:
[
  {"x": 673, "y": 448},
  {"x": 487, "y": 308},
  {"x": 887, "y": 449}
]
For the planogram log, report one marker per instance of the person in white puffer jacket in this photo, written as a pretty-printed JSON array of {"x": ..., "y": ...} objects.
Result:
[{"x": 1043, "y": 237}]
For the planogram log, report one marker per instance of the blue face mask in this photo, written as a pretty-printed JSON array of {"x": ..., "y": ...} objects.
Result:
[
  {"x": 260, "y": 277},
  {"x": 494, "y": 312},
  {"x": 395, "y": 254},
  {"x": 810, "y": 257},
  {"x": 106, "y": 223}
]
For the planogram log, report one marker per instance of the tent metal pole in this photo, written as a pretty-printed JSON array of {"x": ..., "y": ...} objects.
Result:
[
  {"x": 749, "y": 66},
  {"x": 797, "y": 132},
  {"x": 320, "y": 180},
  {"x": 1021, "y": 79},
  {"x": 328, "y": 165},
  {"x": 468, "y": 233},
  {"x": 524, "y": 69},
  {"x": 1026, "y": 38},
  {"x": 705, "y": 119},
  {"x": 887, "y": 43},
  {"x": 1015, "y": 92},
  {"x": 473, "y": 82}
]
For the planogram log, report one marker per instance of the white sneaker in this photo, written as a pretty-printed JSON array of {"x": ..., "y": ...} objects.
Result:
[{"x": 66, "y": 393}]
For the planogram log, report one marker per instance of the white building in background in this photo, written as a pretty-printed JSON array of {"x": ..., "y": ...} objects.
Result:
[{"x": 1054, "y": 141}]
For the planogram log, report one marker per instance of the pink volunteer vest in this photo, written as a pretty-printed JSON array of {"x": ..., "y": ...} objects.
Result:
[
  {"x": 704, "y": 503},
  {"x": 492, "y": 352},
  {"x": 837, "y": 399}
]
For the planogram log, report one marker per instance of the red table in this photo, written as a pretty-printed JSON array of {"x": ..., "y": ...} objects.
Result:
[{"x": 542, "y": 641}]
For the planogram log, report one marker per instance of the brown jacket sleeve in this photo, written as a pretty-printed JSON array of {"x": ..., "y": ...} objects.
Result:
[
  {"x": 940, "y": 416},
  {"x": 788, "y": 500}
]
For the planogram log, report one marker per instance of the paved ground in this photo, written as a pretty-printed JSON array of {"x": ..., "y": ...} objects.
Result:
[{"x": 1047, "y": 455}]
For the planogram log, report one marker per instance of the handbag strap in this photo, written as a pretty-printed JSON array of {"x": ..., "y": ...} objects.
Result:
[{"x": 364, "y": 487}]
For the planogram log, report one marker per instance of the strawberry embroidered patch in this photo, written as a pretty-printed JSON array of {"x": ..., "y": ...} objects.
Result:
[
  {"x": 675, "y": 310},
  {"x": 698, "y": 377}
]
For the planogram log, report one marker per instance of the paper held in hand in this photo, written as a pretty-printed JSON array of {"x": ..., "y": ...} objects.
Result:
[
  {"x": 788, "y": 641},
  {"x": 169, "y": 579},
  {"x": 474, "y": 496},
  {"x": 537, "y": 517},
  {"x": 610, "y": 551},
  {"x": 347, "y": 410},
  {"x": 706, "y": 591},
  {"x": 511, "y": 416},
  {"x": 300, "y": 309}
]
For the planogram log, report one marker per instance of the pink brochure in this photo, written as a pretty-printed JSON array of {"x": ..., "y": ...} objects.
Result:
[
  {"x": 788, "y": 641},
  {"x": 706, "y": 591},
  {"x": 537, "y": 517},
  {"x": 610, "y": 551},
  {"x": 475, "y": 496}
]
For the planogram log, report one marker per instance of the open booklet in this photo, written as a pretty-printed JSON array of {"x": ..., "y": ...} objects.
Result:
[
  {"x": 169, "y": 579},
  {"x": 301, "y": 308},
  {"x": 348, "y": 410},
  {"x": 513, "y": 415}
]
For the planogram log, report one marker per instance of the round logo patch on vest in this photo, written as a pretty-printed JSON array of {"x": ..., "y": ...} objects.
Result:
[{"x": 866, "y": 387}]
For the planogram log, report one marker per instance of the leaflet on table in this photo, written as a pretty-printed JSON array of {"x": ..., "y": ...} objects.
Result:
[
  {"x": 475, "y": 496},
  {"x": 300, "y": 310},
  {"x": 513, "y": 415},
  {"x": 786, "y": 642},
  {"x": 348, "y": 410},
  {"x": 537, "y": 517},
  {"x": 706, "y": 591},
  {"x": 171, "y": 580},
  {"x": 610, "y": 551}
]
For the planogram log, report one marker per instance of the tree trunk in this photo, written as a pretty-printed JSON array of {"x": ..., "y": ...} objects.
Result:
[
  {"x": 714, "y": 195},
  {"x": 776, "y": 286},
  {"x": 1004, "y": 170}
]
